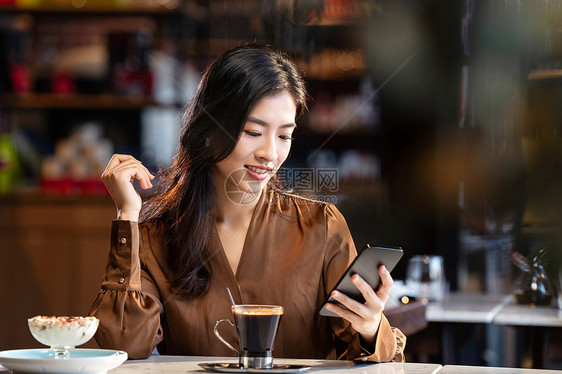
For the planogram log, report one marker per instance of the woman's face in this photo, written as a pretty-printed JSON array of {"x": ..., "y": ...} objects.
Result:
[{"x": 263, "y": 146}]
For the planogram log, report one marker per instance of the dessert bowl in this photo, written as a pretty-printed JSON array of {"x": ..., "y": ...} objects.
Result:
[{"x": 62, "y": 334}]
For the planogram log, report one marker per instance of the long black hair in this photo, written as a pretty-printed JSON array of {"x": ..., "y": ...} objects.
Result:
[{"x": 211, "y": 126}]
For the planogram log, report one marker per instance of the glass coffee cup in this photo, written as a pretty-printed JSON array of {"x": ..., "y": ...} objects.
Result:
[{"x": 256, "y": 326}]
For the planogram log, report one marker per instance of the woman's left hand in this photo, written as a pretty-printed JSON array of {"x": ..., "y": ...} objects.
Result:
[{"x": 365, "y": 318}]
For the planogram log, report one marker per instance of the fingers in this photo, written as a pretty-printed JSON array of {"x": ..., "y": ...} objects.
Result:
[
  {"x": 363, "y": 287},
  {"x": 347, "y": 314},
  {"x": 374, "y": 301},
  {"x": 386, "y": 284},
  {"x": 354, "y": 311},
  {"x": 371, "y": 299},
  {"x": 116, "y": 159},
  {"x": 364, "y": 317},
  {"x": 131, "y": 172},
  {"x": 131, "y": 169},
  {"x": 126, "y": 168}
]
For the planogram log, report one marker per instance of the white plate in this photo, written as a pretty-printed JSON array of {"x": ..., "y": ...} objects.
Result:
[{"x": 90, "y": 361}]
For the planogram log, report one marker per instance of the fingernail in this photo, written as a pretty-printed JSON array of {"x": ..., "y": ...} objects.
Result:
[{"x": 384, "y": 269}]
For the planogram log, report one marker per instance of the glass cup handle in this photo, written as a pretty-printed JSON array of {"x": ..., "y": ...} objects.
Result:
[{"x": 221, "y": 338}]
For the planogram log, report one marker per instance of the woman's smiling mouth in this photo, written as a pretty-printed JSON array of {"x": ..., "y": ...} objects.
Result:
[{"x": 258, "y": 172}]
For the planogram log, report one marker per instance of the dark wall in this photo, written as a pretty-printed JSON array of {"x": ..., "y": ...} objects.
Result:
[{"x": 415, "y": 57}]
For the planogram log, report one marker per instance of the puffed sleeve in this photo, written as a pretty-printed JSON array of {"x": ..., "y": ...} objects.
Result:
[
  {"x": 127, "y": 305},
  {"x": 340, "y": 252}
]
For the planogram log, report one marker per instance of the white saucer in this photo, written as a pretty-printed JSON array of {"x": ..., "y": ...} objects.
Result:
[
  {"x": 235, "y": 368},
  {"x": 90, "y": 361}
]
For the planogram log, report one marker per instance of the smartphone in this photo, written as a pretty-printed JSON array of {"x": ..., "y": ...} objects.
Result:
[{"x": 366, "y": 264}]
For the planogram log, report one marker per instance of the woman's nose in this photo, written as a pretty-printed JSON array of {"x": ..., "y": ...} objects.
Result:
[{"x": 268, "y": 149}]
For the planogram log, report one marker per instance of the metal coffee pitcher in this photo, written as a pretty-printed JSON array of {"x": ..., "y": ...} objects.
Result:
[{"x": 533, "y": 286}]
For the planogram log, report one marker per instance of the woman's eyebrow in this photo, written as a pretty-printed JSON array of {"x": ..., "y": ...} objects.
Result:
[{"x": 265, "y": 124}]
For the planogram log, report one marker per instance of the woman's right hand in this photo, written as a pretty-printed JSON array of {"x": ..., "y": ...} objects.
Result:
[{"x": 118, "y": 177}]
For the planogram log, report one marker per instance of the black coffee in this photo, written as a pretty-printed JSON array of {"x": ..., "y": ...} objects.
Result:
[{"x": 257, "y": 329}]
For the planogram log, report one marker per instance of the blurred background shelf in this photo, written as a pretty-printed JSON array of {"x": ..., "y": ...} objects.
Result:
[
  {"x": 90, "y": 8},
  {"x": 546, "y": 74},
  {"x": 76, "y": 101}
]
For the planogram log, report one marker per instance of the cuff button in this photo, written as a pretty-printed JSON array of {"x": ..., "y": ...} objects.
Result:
[
  {"x": 123, "y": 241},
  {"x": 121, "y": 280}
]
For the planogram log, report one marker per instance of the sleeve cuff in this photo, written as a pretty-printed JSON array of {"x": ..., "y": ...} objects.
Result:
[
  {"x": 123, "y": 265},
  {"x": 386, "y": 347}
]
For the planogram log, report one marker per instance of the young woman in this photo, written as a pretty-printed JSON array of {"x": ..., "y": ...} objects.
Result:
[{"x": 218, "y": 223}]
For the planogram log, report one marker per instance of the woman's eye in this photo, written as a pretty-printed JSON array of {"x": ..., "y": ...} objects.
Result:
[
  {"x": 251, "y": 133},
  {"x": 286, "y": 137}
]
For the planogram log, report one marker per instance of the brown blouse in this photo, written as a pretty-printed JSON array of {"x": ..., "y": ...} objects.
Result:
[{"x": 294, "y": 253}]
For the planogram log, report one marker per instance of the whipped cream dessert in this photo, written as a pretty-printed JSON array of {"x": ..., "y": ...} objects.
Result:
[{"x": 62, "y": 331}]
